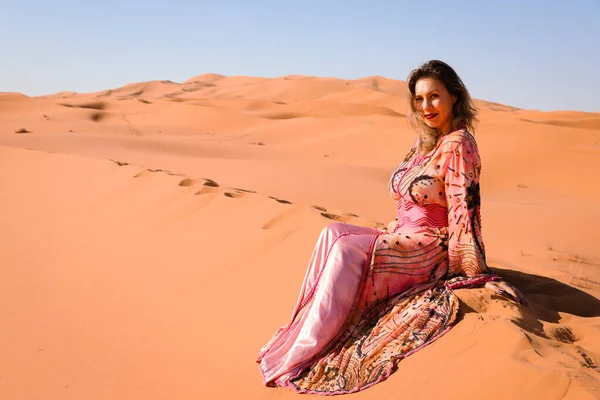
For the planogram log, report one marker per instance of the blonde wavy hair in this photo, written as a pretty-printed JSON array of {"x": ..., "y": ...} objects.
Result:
[{"x": 464, "y": 113}]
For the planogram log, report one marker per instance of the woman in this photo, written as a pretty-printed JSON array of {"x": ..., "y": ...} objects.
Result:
[{"x": 371, "y": 297}]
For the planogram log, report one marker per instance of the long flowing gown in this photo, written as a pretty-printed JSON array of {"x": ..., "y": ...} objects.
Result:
[{"x": 371, "y": 297}]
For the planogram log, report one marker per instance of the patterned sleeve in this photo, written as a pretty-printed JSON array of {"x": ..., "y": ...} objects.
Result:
[{"x": 466, "y": 251}]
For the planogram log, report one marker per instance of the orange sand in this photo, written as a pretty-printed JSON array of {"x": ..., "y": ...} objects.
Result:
[{"x": 155, "y": 236}]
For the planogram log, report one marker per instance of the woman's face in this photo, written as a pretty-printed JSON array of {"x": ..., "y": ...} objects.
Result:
[{"x": 434, "y": 103}]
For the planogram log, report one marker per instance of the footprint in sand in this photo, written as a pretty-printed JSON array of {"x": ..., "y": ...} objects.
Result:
[
  {"x": 165, "y": 171},
  {"x": 335, "y": 217},
  {"x": 280, "y": 200},
  {"x": 119, "y": 163},
  {"x": 349, "y": 217},
  {"x": 588, "y": 362},
  {"x": 147, "y": 171},
  {"x": 244, "y": 190},
  {"x": 188, "y": 182},
  {"x": 319, "y": 208},
  {"x": 210, "y": 182},
  {"x": 562, "y": 334},
  {"x": 234, "y": 195},
  {"x": 209, "y": 186}
]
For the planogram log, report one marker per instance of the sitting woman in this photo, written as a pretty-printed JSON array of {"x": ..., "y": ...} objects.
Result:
[{"x": 371, "y": 297}]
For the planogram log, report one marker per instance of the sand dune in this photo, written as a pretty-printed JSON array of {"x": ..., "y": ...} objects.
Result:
[
  {"x": 209, "y": 78},
  {"x": 569, "y": 121},
  {"x": 155, "y": 235}
]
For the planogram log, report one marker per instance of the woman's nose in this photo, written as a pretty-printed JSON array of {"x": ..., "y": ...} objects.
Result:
[{"x": 426, "y": 104}]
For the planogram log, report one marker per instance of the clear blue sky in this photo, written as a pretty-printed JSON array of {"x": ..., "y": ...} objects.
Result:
[{"x": 541, "y": 55}]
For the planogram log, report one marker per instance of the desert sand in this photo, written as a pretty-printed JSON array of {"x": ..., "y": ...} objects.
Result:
[{"x": 155, "y": 236}]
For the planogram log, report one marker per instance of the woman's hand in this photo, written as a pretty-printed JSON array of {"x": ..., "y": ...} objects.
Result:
[
  {"x": 504, "y": 288},
  {"x": 392, "y": 226}
]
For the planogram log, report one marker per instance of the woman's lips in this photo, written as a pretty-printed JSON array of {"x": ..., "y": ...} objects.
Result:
[{"x": 431, "y": 116}]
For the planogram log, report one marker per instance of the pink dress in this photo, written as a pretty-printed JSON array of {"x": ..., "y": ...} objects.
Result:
[{"x": 371, "y": 297}]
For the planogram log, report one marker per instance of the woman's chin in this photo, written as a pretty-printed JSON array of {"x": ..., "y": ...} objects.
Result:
[
  {"x": 435, "y": 125},
  {"x": 431, "y": 124}
]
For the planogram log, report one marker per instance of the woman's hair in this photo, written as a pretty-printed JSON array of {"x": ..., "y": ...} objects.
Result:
[{"x": 463, "y": 112}]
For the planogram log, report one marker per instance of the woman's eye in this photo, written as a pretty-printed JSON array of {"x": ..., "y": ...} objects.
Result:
[{"x": 433, "y": 96}]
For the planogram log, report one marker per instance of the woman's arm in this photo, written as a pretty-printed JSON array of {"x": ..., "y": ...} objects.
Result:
[{"x": 466, "y": 251}]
